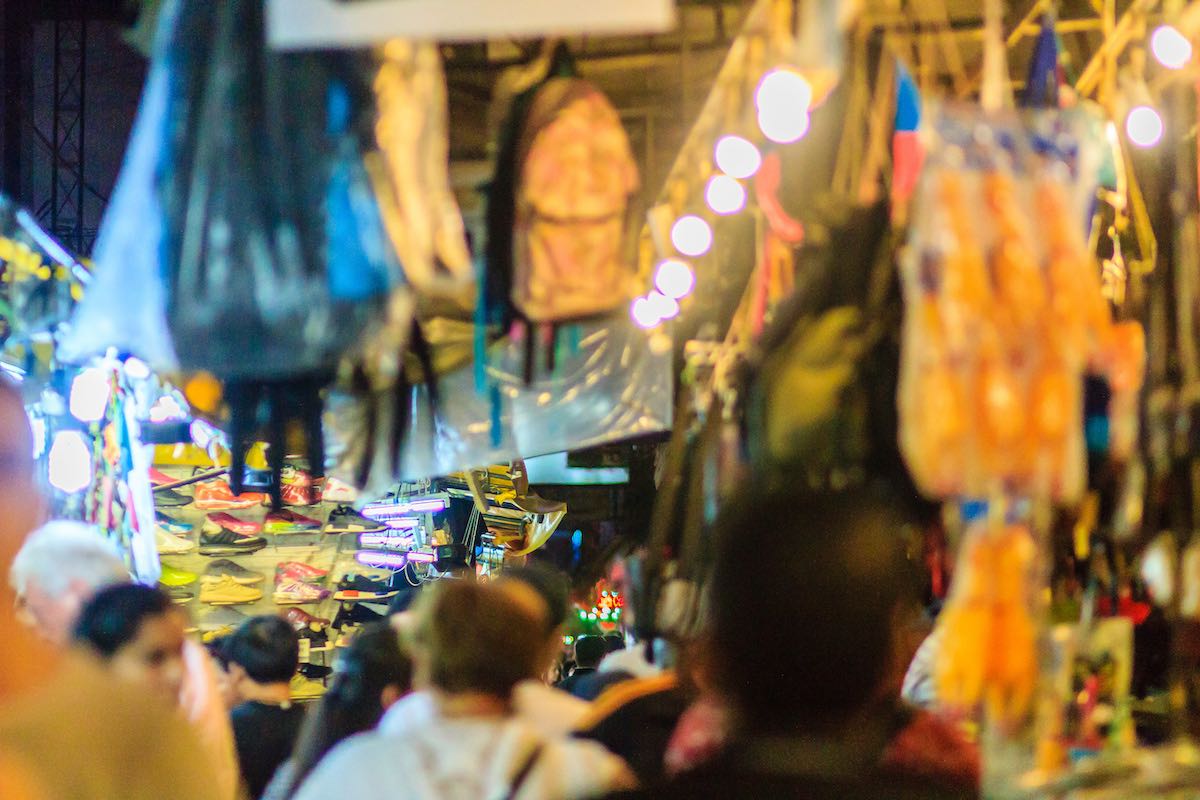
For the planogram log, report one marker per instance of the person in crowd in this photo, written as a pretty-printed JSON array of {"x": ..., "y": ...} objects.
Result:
[
  {"x": 833, "y": 727},
  {"x": 261, "y": 656},
  {"x": 138, "y": 633},
  {"x": 589, "y": 652},
  {"x": 372, "y": 674},
  {"x": 607, "y": 674},
  {"x": 58, "y": 569},
  {"x": 472, "y": 645},
  {"x": 68, "y": 731},
  {"x": 546, "y": 708}
]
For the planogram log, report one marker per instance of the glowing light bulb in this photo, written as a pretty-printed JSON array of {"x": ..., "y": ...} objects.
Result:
[
  {"x": 643, "y": 313},
  {"x": 674, "y": 278},
  {"x": 783, "y": 98},
  {"x": 1170, "y": 47},
  {"x": 1144, "y": 126},
  {"x": 737, "y": 157},
  {"x": 663, "y": 307},
  {"x": 70, "y": 462},
  {"x": 691, "y": 235},
  {"x": 137, "y": 369},
  {"x": 89, "y": 395},
  {"x": 725, "y": 195}
]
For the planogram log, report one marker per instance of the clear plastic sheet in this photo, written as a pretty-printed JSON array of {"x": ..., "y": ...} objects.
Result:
[{"x": 609, "y": 383}]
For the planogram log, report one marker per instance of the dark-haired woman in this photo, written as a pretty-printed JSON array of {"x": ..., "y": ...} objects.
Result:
[{"x": 374, "y": 673}]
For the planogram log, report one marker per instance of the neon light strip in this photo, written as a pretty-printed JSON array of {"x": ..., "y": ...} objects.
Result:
[
  {"x": 384, "y": 540},
  {"x": 421, "y": 558},
  {"x": 381, "y": 559},
  {"x": 384, "y": 511},
  {"x": 402, "y": 523}
]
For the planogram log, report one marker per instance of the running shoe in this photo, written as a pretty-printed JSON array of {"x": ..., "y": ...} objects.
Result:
[
  {"x": 302, "y": 620},
  {"x": 358, "y": 588},
  {"x": 316, "y": 672},
  {"x": 169, "y": 498},
  {"x": 358, "y": 614},
  {"x": 159, "y": 478},
  {"x": 221, "y": 619},
  {"x": 224, "y": 568},
  {"x": 318, "y": 641},
  {"x": 288, "y": 521},
  {"x": 228, "y": 592},
  {"x": 219, "y": 519},
  {"x": 217, "y": 496},
  {"x": 290, "y": 593},
  {"x": 256, "y": 480},
  {"x": 229, "y": 543},
  {"x": 169, "y": 545},
  {"x": 172, "y": 525},
  {"x": 296, "y": 495},
  {"x": 299, "y": 570},
  {"x": 335, "y": 491},
  {"x": 303, "y": 688},
  {"x": 345, "y": 519},
  {"x": 179, "y": 596},
  {"x": 176, "y": 577}
]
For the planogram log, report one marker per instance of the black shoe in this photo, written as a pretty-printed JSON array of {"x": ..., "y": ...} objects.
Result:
[
  {"x": 360, "y": 588},
  {"x": 356, "y": 615},
  {"x": 169, "y": 498},
  {"x": 315, "y": 672},
  {"x": 229, "y": 543},
  {"x": 317, "y": 640},
  {"x": 345, "y": 519}
]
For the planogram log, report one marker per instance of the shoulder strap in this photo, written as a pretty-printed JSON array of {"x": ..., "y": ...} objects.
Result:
[{"x": 522, "y": 774}]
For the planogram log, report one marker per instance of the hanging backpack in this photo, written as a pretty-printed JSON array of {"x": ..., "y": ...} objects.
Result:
[{"x": 576, "y": 176}]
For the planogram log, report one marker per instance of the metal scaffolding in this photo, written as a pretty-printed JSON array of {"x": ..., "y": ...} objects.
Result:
[{"x": 63, "y": 212}]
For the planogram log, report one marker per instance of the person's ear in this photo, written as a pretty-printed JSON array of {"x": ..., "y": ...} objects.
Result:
[{"x": 390, "y": 694}]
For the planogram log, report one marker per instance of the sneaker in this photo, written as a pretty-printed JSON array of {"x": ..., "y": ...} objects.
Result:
[
  {"x": 221, "y": 618},
  {"x": 358, "y": 614},
  {"x": 303, "y": 688},
  {"x": 169, "y": 498},
  {"x": 356, "y": 588},
  {"x": 256, "y": 480},
  {"x": 294, "y": 494},
  {"x": 345, "y": 519},
  {"x": 172, "y": 525},
  {"x": 176, "y": 577},
  {"x": 224, "y": 568},
  {"x": 288, "y": 521},
  {"x": 318, "y": 641},
  {"x": 171, "y": 545},
  {"x": 219, "y": 519},
  {"x": 217, "y": 496},
  {"x": 316, "y": 672},
  {"x": 179, "y": 596},
  {"x": 229, "y": 543},
  {"x": 228, "y": 592},
  {"x": 159, "y": 478},
  {"x": 291, "y": 593},
  {"x": 302, "y": 620},
  {"x": 335, "y": 491},
  {"x": 299, "y": 570}
]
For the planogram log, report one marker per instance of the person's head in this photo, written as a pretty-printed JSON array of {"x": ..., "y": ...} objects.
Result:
[
  {"x": 19, "y": 496},
  {"x": 263, "y": 651},
  {"x": 139, "y": 634},
  {"x": 613, "y": 642},
  {"x": 59, "y": 568},
  {"x": 552, "y": 596},
  {"x": 472, "y": 638},
  {"x": 590, "y": 651},
  {"x": 803, "y": 638},
  {"x": 372, "y": 674}
]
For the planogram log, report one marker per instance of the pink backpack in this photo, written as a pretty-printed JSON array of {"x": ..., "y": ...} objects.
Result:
[{"x": 576, "y": 176}]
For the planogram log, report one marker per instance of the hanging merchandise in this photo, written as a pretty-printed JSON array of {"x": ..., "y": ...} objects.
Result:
[
  {"x": 1003, "y": 323},
  {"x": 41, "y": 281}
]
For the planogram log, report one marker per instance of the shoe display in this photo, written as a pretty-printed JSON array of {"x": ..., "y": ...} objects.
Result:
[
  {"x": 229, "y": 543},
  {"x": 159, "y": 478},
  {"x": 335, "y": 491},
  {"x": 172, "y": 525},
  {"x": 288, "y": 521},
  {"x": 169, "y": 498},
  {"x": 166, "y": 544},
  {"x": 358, "y": 614},
  {"x": 355, "y": 588},
  {"x": 301, "y": 619},
  {"x": 224, "y": 568},
  {"x": 221, "y": 618},
  {"x": 228, "y": 592},
  {"x": 176, "y": 577},
  {"x": 299, "y": 570},
  {"x": 345, "y": 519},
  {"x": 220, "y": 519},
  {"x": 290, "y": 593},
  {"x": 294, "y": 494},
  {"x": 303, "y": 688},
  {"x": 217, "y": 496},
  {"x": 178, "y": 595}
]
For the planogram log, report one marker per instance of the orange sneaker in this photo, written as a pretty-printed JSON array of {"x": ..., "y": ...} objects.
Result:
[{"x": 217, "y": 496}]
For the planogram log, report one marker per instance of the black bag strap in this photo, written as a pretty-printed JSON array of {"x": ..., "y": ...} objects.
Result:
[{"x": 522, "y": 774}]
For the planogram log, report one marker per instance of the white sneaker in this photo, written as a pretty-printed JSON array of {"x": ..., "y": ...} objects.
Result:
[
  {"x": 168, "y": 544},
  {"x": 335, "y": 491}
]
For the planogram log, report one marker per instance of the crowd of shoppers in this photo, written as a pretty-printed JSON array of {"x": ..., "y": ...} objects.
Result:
[{"x": 792, "y": 691}]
